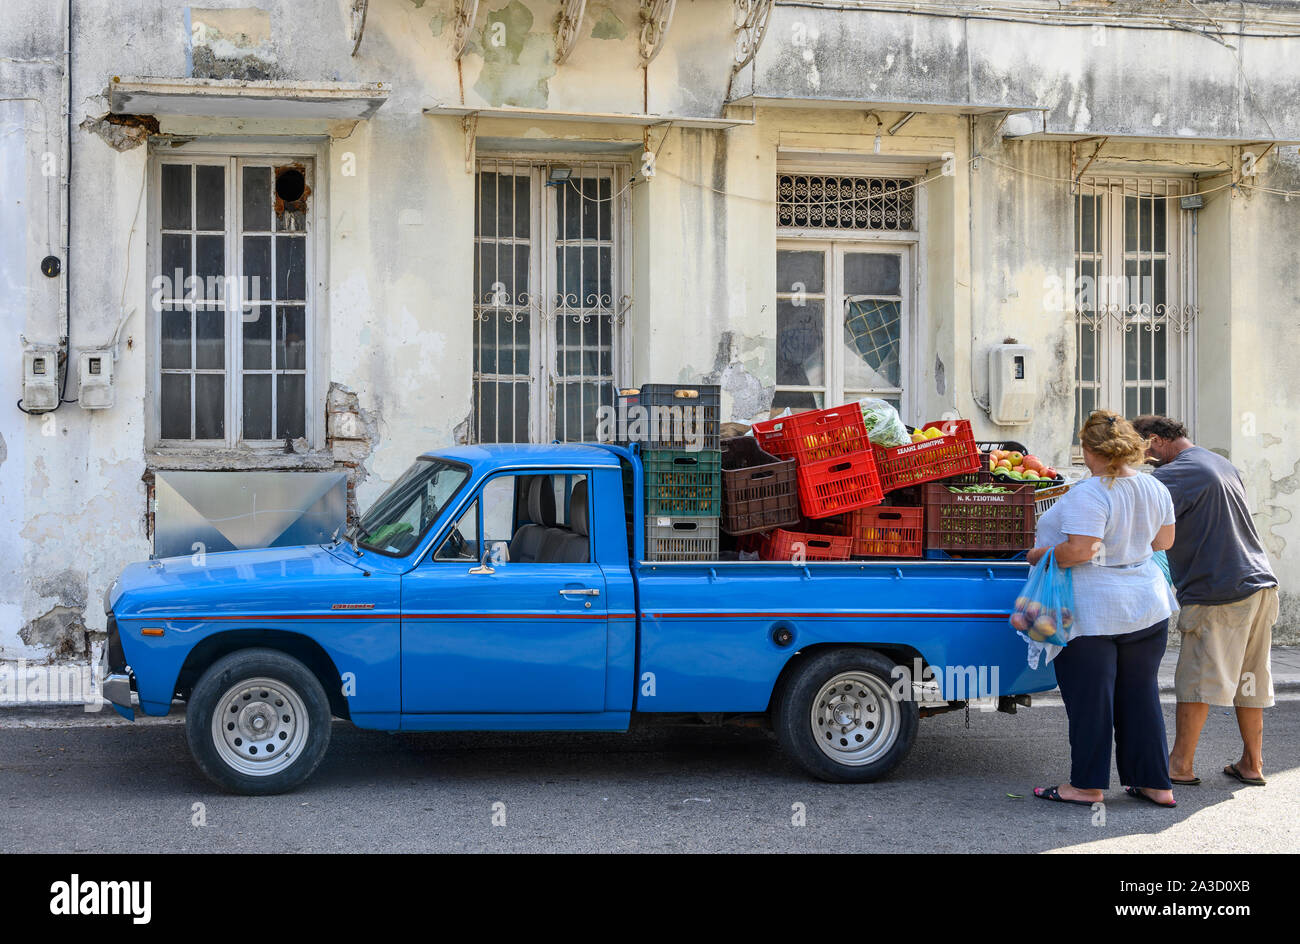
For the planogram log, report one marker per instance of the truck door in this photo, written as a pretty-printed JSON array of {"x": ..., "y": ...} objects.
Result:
[{"x": 523, "y": 634}]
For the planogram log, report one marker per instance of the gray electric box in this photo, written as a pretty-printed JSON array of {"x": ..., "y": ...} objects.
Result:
[
  {"x": 95, "y": 380},
  {"x": 1012, "y": 384},
  {"x": 40, "y": 378}
]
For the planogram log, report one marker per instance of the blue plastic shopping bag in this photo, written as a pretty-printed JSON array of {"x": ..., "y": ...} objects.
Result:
[{"x": 1045, "y": 607}]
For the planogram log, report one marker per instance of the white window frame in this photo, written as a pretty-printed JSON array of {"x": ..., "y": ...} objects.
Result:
[
  {"x": 1110, "y": 296},
  {"x": 834, "y": 241},
  {"x": 543, "y": 425},
  {"x": 232, "y": 152}
]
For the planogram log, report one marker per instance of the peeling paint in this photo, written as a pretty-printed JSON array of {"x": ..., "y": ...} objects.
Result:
[
  {"x": 517, "y": 64},
  {"x": 608, "y": 25},
  {"x": 61, "y": 630},
  {"x": 121, "y": 132}
]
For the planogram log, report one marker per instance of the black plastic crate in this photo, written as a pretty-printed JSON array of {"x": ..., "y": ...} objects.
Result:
[{"x": 670, "y": 420}]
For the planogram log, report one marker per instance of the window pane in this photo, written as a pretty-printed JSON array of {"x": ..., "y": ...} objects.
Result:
[
  {"x": 583, "y": 347},
  {"x": 503, "y": 205},
  {"x": 797, "y": 400},
  {"x": 1085, "y": 230},
  {"x": 502, "y": 343},
  {"x": 209, "y": 406},
  {"x": 1161, "y": 405},
  {"x": 256, "y": 327},
  {"x": 257, "y": 406},
  {"x": 210, "y": 257},
  {"x": 800, "y": 343},
  {"x": 257, "y": 198},
  {"x": 211, "y": 345},
  {"x": 1131, "y": 341},
  {"x": 575, "y": 409},
  {"x": 584, "y": 276},
  {"x": 290, "y": 406},
  {"x": 502, "y": 411},
  {"x": 176, "y": 266},
  {"x": 291, "y": 337},
  {"x": 176, "y": 196},
  {"x": 291, "y": 268},
  {"x": 795, "y": 267},
  {"x": 175, "y": 406},
  {"x": 257, "y": 267},
  {"x": 1087, "y": 402},
  {"x": 871, "y": 342},
  {"x": 504, "y": 263},
  {"x": 1144, "y": 401},
  {"x": 1087, "y": 359},
  {"x": 176, "y": 340},
  {"x": 871, "y": 273},
  {"x": 1160, "y": 342},
  {"x": 1130, "y": 402},
  {"x": 210, "y": 196},
  {"x": 1159, "y": 210},
  {"x": 584, "y": 208},
  {"x": 1130, "y": 224}
]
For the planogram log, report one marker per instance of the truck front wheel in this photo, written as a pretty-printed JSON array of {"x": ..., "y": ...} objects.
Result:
[
  {"x": 258, "y": 722},
  {"x": 839, "y": 718}
]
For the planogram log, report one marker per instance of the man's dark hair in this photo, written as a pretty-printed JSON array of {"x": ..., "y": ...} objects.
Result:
[{"x": 1161, "y": 426}]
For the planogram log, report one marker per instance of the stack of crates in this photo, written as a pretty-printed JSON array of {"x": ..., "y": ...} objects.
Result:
[
  {"x": 678, "y": 431},
  {"x": 836, "y": 469}
]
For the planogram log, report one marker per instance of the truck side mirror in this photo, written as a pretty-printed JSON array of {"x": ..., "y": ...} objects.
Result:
[{"x": 498, "y": 553}]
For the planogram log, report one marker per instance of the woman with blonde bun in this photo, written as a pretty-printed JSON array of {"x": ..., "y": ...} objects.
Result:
[{"x": 1106, "y": 529}]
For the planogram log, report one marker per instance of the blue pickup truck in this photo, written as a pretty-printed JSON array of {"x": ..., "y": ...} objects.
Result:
[{"x": 506, "y": 588}]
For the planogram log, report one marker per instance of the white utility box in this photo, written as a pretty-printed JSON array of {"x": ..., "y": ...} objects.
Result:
[
  {"x": 95, "y": 380},
  {"x": 1012, "y": 386},
  {"x": 40, "y": 378}
]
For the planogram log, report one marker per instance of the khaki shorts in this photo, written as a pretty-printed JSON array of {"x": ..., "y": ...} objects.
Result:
[{"x": 1225, "y": 651}]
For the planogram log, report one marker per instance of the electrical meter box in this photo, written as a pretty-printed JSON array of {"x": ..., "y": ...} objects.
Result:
[
  {"x": 1012, "y": 386},
  {"x": 95, "y": 380},
  {"x": 40, "y": 378}
]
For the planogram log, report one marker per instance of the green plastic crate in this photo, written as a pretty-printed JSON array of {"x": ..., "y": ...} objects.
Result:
[{"x": 683, "y": 484}]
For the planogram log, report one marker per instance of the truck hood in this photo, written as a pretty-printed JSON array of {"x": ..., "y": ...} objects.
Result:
[{"x": 274, "y": 577}]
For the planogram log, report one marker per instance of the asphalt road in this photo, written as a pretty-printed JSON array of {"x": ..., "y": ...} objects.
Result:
[{"x": 72, "y": 782}]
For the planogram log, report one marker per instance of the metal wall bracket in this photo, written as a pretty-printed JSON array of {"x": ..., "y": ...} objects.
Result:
[
  {"x": 567, "y": 24},
  {"x": 359, "y": 8},
  {"x": 751, "y": 18},
  {"x": 462, "y": 21},
  {"x": 656, "y": 17},
  {"x": 469, "y": 124}
]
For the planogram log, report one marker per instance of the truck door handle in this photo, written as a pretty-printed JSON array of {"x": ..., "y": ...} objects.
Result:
[{"x": 590, "y": 592}]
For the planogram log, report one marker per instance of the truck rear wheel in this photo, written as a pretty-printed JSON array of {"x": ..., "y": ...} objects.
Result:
[
  {"x": 838, "y": 717},
  {"x": 258, "y": 722}
]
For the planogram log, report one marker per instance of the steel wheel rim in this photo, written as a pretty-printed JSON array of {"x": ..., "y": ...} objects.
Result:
[
  {"x": 854, "y": 719},
  {"x": 260, "y": 726}
]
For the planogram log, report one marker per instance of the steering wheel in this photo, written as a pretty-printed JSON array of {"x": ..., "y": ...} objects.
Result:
[{"x": 457, "y": 545}]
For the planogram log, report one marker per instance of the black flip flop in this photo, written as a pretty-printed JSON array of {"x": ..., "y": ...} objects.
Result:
[
  {"x": 1232, "y": 771},
  {"x": 1194, "y": 782},
  {"x": 1054, "y": 793},
  {"x": 1139, "y": 795}
]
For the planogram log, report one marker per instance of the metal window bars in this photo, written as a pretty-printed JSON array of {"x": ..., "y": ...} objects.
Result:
[
  {"x": 1134, "y": 297},
  {"x": 832, "y": 201},
  {"x": 549, "y": 309}
]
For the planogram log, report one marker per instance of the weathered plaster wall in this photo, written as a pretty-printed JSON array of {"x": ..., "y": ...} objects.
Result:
[{"x": 397, "y": 289}]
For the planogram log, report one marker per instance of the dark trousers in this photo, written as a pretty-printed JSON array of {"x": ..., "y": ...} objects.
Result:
[{"x": 1109, "y": 685}]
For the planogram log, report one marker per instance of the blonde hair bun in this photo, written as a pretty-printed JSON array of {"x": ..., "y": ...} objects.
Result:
[{"x": 1109, "y": 435}]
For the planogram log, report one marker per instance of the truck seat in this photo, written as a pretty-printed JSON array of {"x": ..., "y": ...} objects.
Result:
[
  {"x": 575, "y": 548},
  {"x": 526, "y": 545}
]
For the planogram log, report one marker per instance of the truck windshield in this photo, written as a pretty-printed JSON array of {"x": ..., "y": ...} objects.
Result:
[{"x": 395, "y": 523}]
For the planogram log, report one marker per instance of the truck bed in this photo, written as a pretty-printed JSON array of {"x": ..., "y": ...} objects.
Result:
[{"x": 708, "y": 628}]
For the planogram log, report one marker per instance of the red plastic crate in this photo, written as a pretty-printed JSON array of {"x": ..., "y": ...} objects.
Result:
[
  {"x": 837, "y": 485},
  {"x": 815, "y": 435},
  {"x": 782, "y": 545},
  {"x": 951, "y": 454},
  {"x": 887, "y": 531}
]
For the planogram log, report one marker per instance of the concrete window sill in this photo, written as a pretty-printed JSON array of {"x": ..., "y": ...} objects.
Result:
[{"x": 237, "y": 460}]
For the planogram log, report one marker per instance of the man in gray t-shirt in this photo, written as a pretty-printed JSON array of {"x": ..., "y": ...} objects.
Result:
[{"x": 1228, "y": 597}]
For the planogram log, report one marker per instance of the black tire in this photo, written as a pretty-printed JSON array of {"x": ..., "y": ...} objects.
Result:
[
  {"x": 286, "y": 711},
  {"x": 881, "y": 733}
]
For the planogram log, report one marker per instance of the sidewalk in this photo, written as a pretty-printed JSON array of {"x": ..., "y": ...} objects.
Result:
[{"x": 1284, "y": 664}]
